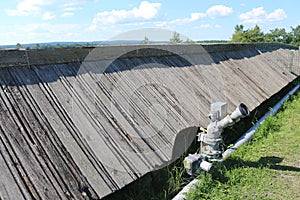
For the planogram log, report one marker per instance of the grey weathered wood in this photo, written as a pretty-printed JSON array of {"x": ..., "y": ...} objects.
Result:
[{"x": 69, "y": 130}]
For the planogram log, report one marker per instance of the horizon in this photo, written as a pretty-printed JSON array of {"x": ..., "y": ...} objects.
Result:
[{"x": 106, "y": 42}]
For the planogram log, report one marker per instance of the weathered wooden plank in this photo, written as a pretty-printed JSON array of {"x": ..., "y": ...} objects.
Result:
[
  {"x": 9, "y": 186},
  {"x": 17, "y": 131}
]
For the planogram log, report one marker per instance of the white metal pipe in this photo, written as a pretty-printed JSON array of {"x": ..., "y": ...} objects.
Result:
[
  {"x": 182, "y": 194},
  {"x": 249, "y": 134},
  {"x": 242, "y": 140}
]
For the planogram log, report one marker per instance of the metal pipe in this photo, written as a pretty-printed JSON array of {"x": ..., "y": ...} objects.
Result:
[
  {"x": 249, "y": 134},
  {"x": 242, "y": 140},
  {"x": 182, "y": 194}
]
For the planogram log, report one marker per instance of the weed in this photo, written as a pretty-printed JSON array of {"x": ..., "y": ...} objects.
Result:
[
  {"x": 269, "y": 126},
  {"x": 176, "y": 179}
]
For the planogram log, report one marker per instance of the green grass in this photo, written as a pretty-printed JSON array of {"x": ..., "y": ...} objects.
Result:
[{"x": 268, "y": 167}]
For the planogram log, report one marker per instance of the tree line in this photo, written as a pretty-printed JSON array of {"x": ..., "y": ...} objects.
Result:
[
  {"x": 240, "y": 35},
  {"x": 255, "y": 34}
]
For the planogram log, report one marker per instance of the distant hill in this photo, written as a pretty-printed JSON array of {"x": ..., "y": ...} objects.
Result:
[
  {"x": 212, "y": 41},
  {"x": 52, "y": 45},
  {"x": 48, "y": 45}
]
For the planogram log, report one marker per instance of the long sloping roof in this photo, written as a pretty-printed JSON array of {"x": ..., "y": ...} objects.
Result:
[{"x": 88, "y": 123}]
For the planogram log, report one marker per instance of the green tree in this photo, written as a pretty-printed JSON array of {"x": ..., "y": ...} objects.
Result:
[
  {"x": 239, "y": 34},
  {"x": 255, "y": 34},
  {"x": 295, "y": 34},
  {"x": 276, "y": 35},
  {"x": 57, "y": 46},
  {"x": 19, "y": 46},
  {"x": 250, "y": 35},
  {"x": 37, "y": 46},
  {"x": 189, "y": 41},
  {"x": 175, "y": 39},
  {"x": 145, "y": 41},
  {"x": 288, "y": 38}
]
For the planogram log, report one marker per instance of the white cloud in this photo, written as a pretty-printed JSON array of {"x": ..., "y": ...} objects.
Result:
[
  {"x": 48, "y": 16},
  {"x": 205, "y": 26},
  {"x": 194, "y": 17},
  {"x": 145, "y": 11},
  {"x": 218, "y": 26},
  {"x": 259, "y": 15},
  {"x": 219, "y": 11},
  {"x": 72, "y": 6},
  {"x": 256, "y": 15},
  {"x": 277, "y": 15},
  {"x": 197, "y": 16},
  {"x": 67, "y": 14},
  {"x": 41, "y": 7},
  {"x": 214, "y": 11},
  {"x": 27, "y": 7}
]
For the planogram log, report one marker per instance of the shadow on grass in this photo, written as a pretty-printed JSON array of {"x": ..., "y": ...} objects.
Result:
[{"x": 271, "y": 162}]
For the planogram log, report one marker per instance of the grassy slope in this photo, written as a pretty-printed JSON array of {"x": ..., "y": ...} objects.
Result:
[{"x": 266, "y": 168}]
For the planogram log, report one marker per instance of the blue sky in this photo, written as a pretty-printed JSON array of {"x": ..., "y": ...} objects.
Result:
[{"x": 36, "y": 21}]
